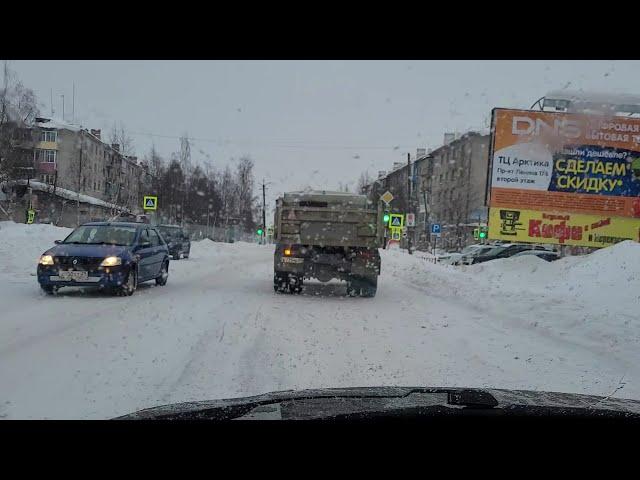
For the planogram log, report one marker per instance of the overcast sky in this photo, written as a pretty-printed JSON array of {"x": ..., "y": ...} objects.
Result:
[{"x": 305, "y": 123}]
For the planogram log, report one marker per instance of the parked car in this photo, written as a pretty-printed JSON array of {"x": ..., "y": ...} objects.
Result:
[
  {"x": 177, "y": 239},
  {"x": 467, "y": 258},
  {"x": 116, "y": 256},
  {"x": 505, "y": 251},
  {"x": 547, "y": 255}
]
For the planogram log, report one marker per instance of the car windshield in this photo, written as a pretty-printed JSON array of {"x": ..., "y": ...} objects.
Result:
[
  {"x": 193, "y": 230},
  {"x": 495, "y": 250},
  {"x": 102, "y": 234},
  {"x": 170, "y": 233}
]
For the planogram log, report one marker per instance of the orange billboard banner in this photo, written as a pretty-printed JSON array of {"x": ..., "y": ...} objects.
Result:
[{"x": 565, "y": 162}]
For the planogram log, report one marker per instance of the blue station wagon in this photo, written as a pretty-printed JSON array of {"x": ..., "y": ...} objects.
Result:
[{"x": 116, "y": 256}]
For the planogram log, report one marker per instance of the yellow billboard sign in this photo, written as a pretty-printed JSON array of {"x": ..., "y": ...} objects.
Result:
[{"x": 516, "y": 225}]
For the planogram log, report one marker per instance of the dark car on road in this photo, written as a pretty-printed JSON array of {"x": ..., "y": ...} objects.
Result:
[
  {"x": 505, "y": 251},
  {"x": 116, "y": 256},
  {"x": 177, "y": 240}
]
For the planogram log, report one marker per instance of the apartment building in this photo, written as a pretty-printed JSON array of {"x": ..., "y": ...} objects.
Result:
[{"x": 78, "y": 159}]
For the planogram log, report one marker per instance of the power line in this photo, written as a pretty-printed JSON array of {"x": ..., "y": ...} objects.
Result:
[{"x": 301, "y": 144}]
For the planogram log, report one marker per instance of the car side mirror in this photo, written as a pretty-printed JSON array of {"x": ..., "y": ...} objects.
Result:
[{"x": 57, "y": 242}]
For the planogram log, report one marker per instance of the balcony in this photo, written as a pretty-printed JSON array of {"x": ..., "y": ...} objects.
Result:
[
  {"x": 46, "y": 167},
  {"x": 47, "y": 145}
]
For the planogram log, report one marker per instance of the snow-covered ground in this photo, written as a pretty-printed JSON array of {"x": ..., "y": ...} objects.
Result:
[{"x": 217, "y": 330}]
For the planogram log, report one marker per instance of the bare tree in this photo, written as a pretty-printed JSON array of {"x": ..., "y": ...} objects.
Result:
[
  {"x": 245, "y": 188},
  {"x": 344, "y": 187},
  {"x": 461, "y": 202},
  {"x": 227, "y": 195},
  {"x": 363, "y": 181},
  {"x": 120, "y": 137},
  {"x": 18, "y": 110}
]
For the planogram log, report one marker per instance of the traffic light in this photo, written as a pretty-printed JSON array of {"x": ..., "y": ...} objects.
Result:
[
  {"x": 260, "y": 231},
  {"x": 386, "y": 218},
  {"x": 480, "y": 233}
]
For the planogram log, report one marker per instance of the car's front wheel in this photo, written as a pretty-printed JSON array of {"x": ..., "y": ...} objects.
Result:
[
  {"x": 164, "y": 274},
  {"x": 131, "y": 283}
]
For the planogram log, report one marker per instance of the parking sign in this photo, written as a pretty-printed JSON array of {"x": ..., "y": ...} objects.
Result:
[{"x": 435, "y": 229}]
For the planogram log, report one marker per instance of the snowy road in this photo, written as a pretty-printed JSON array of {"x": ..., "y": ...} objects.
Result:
[{"x": 218, "y": 330}]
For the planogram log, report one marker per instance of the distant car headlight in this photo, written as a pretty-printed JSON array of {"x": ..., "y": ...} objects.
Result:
[
  {"x": 111, "y": 262},
  {"x": 46, "y": 260}
]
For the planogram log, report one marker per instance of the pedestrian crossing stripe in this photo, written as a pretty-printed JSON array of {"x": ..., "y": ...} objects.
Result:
[{"x": 150, "y": 202}]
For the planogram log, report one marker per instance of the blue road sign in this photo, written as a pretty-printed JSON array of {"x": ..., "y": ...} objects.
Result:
[{"x": 435, "y": 228}]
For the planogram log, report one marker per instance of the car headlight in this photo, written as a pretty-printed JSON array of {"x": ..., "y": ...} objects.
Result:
[
  {"x": 111, "y": 262},
  {"x": 46, "y": 260}
]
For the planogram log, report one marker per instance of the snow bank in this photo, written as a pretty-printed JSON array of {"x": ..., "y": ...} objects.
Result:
[
  {"x": 608, "y": 278},
  {"x": 590, "y": 301},
  {"x": 21, "y": 245}
]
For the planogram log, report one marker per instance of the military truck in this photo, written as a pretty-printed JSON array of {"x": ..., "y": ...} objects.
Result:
[{"x": 327, "y": 235}]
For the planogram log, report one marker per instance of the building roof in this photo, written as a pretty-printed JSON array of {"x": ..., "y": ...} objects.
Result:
[{"x": 68, "y": 194}]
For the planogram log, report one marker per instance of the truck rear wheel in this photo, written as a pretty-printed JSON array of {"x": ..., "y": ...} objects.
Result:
[
  {"x": 362, "y": 286},
  {"x": 280, "y": 283},
  {"x": 287, "y": 282}
]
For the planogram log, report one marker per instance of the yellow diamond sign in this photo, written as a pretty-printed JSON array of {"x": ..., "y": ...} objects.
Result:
[{"x": 387, "y": 197}]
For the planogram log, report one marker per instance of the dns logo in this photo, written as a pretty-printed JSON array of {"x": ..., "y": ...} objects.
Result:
[{"x": 534, "y": 126}]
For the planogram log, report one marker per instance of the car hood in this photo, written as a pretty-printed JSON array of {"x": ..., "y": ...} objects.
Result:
[
  {"x": 98, "y": 251},
  {"x": 375, "y": 401}
]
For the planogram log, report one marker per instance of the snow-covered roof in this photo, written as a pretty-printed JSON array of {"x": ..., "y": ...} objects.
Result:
[
  {"x": 322, "y": 192},
  {"x": 58, "y": 124},
  {"x": 69, "y": 194},
  {"x": 594, "y": 97},
  {"x": 593, "y": 102}
]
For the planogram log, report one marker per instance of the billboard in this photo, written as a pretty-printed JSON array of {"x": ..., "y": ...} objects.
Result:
[
  {"x": 566, "y": 163},
  {"x": 520, "y": 225}
]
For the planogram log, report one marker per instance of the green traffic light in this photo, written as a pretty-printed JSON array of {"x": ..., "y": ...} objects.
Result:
[
  {"x": 386, "y": 218},
  {"x": 483, "y": 234},
  {"x": 259, "y": 231}
]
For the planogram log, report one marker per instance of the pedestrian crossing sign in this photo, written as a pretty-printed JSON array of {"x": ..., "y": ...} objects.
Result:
[
  {"x": 150, "y": 202},
  {"x": 396, "y": 220}
]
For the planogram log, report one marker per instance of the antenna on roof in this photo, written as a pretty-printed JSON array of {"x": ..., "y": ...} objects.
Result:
[{"x": 73, "y": 104}]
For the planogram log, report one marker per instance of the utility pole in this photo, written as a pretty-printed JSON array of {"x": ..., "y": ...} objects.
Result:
[
  {"x": 408, "y": 199},
  {"x": 264, "y": 212},
  {"x": 73, "y": 104},
  {"x": 79, "y": 180},
  {"x": 62, "y": 107}
]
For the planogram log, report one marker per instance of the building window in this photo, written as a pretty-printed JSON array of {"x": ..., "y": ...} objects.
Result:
[
  {"x": 48, "y": 136},
  {"x": 45, "y": 156},
  {"x": 47, "y": 178}
]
